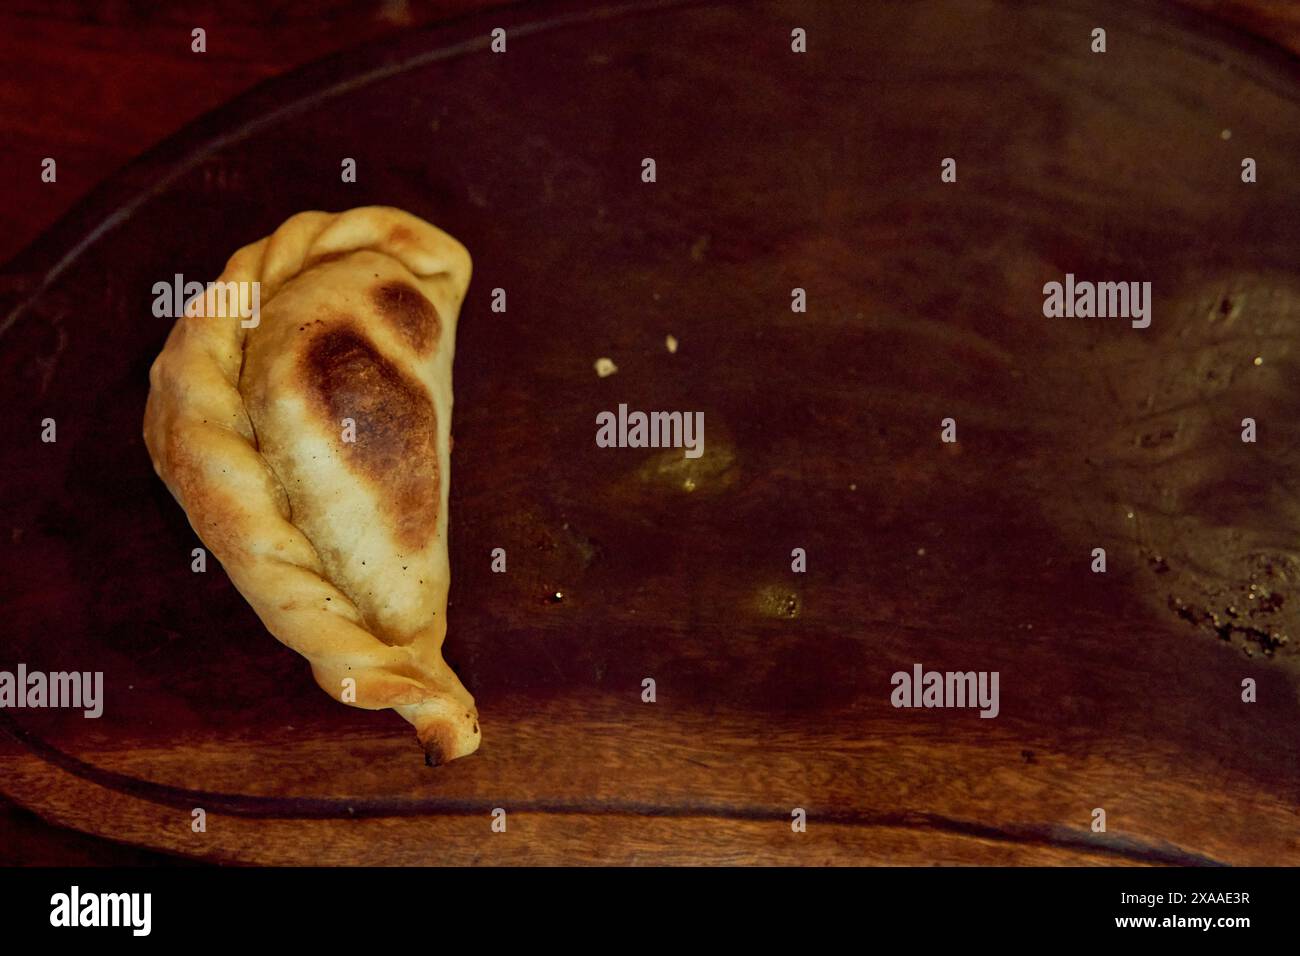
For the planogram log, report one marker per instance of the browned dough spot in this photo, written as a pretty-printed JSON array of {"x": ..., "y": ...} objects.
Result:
[
  {"x": 396, "y": 447},
  {"x": 406, "y": 309}
]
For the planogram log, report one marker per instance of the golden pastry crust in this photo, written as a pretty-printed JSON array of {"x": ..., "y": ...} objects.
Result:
[{"x": 339, "y": 545}]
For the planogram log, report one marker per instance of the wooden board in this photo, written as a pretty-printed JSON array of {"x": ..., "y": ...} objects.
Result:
[{"x": 820, "y": 171}]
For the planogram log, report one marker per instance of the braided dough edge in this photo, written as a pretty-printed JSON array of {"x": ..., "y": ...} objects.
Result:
[{"x": 203, "y": 446}]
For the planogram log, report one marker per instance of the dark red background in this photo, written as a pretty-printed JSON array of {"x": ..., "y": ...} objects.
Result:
[{"x": 95, "y": 84}]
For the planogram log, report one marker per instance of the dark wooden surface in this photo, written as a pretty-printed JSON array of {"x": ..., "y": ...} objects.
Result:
[
  {"x": 96, "y": 84},
  {"x": 822, "y": 432}
]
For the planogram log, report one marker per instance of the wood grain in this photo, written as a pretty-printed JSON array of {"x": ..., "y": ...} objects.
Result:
[
  {"x": 94, "y": 84},
  {"x": 1119, "y": 691}
]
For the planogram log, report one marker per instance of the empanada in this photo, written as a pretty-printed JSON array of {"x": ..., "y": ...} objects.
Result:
[{"x": 310, "y": 447}]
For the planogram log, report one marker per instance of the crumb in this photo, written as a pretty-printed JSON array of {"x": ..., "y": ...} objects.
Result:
[
  {"x": 605, "y": 367},
  {"x": 671, "y": 344}
]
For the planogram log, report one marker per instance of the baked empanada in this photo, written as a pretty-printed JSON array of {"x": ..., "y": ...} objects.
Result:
[{"x": 308, "y": 441}]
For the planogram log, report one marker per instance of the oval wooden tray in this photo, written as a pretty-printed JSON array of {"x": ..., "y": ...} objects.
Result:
[{"x": 775, "y": 170}]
